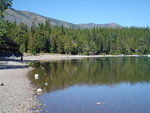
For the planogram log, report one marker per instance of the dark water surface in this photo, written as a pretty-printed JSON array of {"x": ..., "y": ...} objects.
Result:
[{"x": 121, "y": 85}]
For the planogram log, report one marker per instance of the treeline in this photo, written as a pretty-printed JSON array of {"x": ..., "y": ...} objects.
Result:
[{"x": 58, "y": 39}]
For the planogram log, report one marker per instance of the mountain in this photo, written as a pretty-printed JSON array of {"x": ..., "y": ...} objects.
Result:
[
  {"x": 91, "y": 25},
  {"x": 27, "y": 17}
]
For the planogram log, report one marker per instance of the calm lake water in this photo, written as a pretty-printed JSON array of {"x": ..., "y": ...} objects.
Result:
[{"x": 121, "y": 85}]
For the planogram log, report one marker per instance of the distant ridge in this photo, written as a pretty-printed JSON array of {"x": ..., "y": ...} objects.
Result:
[
  {"x": 91, "y": 25},
  {"x": 27, "y": 17}
]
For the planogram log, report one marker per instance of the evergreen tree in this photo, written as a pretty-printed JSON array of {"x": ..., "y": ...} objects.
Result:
[
  {"x": 4, "y": 4},
  {"x": 41, "y": 39}
]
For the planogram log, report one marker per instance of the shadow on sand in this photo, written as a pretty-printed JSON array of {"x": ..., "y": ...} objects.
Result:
[{"x": 12, "y": 63}]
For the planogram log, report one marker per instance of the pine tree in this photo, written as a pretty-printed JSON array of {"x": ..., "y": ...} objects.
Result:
[{"x": 4, "y": 4}]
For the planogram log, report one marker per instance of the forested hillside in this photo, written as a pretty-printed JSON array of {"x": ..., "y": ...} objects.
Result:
[{"x": 59, "y": 39}]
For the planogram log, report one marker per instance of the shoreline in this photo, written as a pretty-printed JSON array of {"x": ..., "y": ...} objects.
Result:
[
  {"x": 17, "y": 93},
  {"x": 46, "y": 57}
]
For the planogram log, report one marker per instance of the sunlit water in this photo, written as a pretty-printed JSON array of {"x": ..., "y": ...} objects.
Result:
[{"x": 121, "y": 85}]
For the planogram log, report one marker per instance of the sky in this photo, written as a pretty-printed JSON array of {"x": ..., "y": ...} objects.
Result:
[{"x": 126, "y": 13}]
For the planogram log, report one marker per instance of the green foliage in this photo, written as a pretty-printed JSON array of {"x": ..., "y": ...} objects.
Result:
[
  {"x": 4, "y": 27},
  {"x": 22, "y": 48},
  {"x": 58, "y": 39},
  {"x": 4, "y": 4}
]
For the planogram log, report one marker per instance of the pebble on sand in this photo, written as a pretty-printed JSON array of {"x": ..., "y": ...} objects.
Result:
[{"x": 1, "y": 84}]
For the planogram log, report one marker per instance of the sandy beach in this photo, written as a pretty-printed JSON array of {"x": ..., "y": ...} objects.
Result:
[{"x": 17, "y": 95}]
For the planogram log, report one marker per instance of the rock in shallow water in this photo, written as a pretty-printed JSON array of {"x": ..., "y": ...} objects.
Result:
[
  {"x": 98, "y": 103},
  {"x": 39, "y": 90},
  {"x": 46, "y": 84}
]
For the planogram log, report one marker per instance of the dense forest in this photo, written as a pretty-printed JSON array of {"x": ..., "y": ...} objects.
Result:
[{"x": 58, "y": 39}]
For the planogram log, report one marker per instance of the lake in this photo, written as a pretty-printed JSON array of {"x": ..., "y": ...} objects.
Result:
[{"x": 94, "y": 85}]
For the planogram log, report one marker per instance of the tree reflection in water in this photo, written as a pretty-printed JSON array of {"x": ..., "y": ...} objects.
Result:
[{"x": 90, "y": 71}]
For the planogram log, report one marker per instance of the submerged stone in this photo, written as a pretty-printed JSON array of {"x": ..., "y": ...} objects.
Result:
[
  {"x": 98, "y": 103},
  {"x": 39, "y": 90}
]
